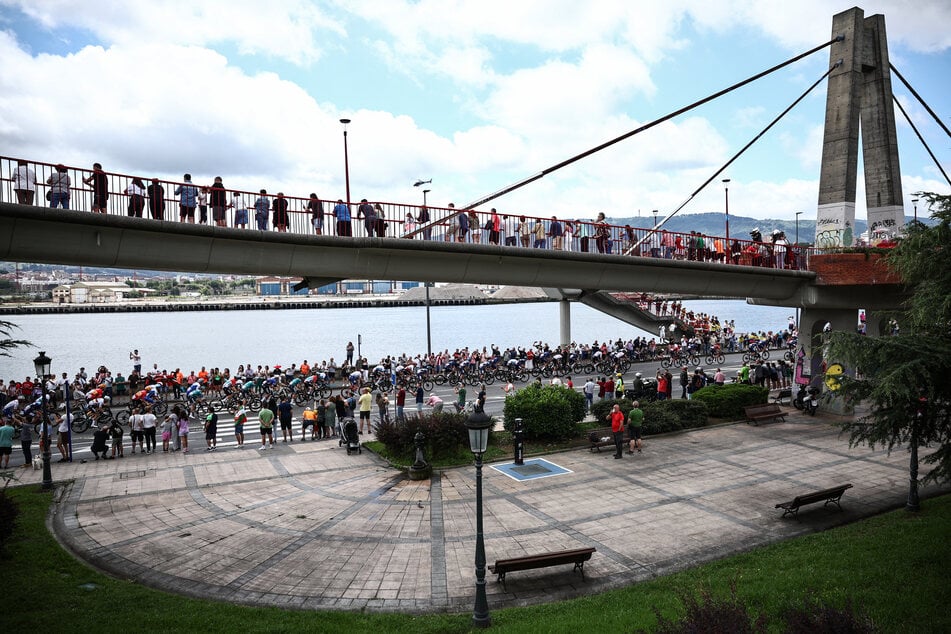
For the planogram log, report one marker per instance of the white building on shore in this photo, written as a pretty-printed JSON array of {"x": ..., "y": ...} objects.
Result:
[{"x": 91, "y": 292}]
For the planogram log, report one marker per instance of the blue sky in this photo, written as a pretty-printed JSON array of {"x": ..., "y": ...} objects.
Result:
[{"x": 474, "y": 95}]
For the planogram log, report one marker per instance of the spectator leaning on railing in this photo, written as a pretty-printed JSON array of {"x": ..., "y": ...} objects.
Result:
[
  {"x": 24, "y": 183},
  {"x": 59, "y": 187}
]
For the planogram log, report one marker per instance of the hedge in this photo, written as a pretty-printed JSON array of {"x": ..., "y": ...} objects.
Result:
[
  {"x": 728, "y": 401},
  {"x": 446, "y": 436},
  {"x": 548, "y": 412},
  {"x": 659, "y": 416}
]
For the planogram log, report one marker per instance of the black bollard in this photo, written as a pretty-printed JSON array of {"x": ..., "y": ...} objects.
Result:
[{"x": 519, "y": 449}]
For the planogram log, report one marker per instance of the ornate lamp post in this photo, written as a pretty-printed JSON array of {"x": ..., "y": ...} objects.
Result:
[
  {"x": 479, "y": 425},
  {"x": 914, "y": 201},
  {"x": 42, "y": 366},
  {"x": 346, "y": 159}
]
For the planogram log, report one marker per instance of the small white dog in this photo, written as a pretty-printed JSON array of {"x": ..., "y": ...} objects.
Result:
[{"x": 37, "y": 463}]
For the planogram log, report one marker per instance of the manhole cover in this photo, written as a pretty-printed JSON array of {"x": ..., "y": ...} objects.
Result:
[{"x": 129, "y": 475}]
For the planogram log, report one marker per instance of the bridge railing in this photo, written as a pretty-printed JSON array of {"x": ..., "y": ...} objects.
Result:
[{"x": 398, "y": 219}]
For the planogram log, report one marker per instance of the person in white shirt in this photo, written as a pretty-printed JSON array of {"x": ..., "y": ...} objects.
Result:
[
  {"x": 149, "y": 424},
  {"x": 240, "y": 211},
  {"x": 24, "y": 183}
]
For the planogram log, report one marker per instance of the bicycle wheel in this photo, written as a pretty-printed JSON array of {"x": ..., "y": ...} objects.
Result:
[
  {"x": 427, "y": 385},
  {"x": 254, "y": 404},
  {"x": 764, "y": 354},
  {"x": 159, "y": 408},
  {"x": 665, "y": 362},
  {"x": 324, "y": 391},
  {"x": 695, "y": 360},
  {"x": 217, "y": 405},
  {"x": 80, "y": 423},
  {"x": 789, "y": 356},
  {"x": 122, "y": 417}
]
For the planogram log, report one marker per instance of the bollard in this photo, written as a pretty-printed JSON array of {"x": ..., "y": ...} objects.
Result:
[
  {"x": 519, "y": 449},
  {"x": 420, "y": 470}
]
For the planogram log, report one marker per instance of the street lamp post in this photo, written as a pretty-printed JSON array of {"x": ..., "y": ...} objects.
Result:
[
  {"x": 425, "y": 191},
  {"x": 479, "y": 425},
  {"x": 726, "y": 194},
  {"x": 429, "y": 336},
  {"x": 798, "y": 213},
  {"x": 655, "y": 218},
  {"x": 42, "y": 366},
  {"x": 346, "y": 159},
  {"x": 914, "y": 201}
]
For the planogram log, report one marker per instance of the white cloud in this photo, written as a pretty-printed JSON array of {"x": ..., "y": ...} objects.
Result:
[{"x": 284, "y": 29}]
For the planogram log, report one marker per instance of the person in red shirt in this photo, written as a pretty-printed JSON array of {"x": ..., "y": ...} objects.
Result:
[{"x": 617, "y": 429}]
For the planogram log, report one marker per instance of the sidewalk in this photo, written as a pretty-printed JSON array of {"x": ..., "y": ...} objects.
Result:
[{"x": 304, "y": 525}]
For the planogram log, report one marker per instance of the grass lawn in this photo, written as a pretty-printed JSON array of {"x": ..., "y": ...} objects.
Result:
[{"x": 895, "y": 567}]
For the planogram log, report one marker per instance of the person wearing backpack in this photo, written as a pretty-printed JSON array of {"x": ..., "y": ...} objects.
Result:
[{"x": 684, "y": 382}]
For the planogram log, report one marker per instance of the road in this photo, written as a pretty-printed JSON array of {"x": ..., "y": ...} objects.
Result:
[{"x": 495, "y": 401}]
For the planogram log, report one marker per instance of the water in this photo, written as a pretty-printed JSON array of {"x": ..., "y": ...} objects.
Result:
[{"x": 225, "y": 339}]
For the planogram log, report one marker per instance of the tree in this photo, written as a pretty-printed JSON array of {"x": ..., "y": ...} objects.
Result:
[
  {"x": 6, "y": 343},
  {"x": 906, "y": 378}
]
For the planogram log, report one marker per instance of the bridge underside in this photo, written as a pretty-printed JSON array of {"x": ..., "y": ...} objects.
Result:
[{"x": 37, "y": 234}]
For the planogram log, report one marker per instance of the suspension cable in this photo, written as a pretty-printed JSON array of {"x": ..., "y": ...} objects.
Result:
[
  {"x": 656, "y": 122},
  {"x": 733, "y": 158},
  {"x": 920, "y": 100},
  {"x": 921, "y": 138},
  {"x": 647, "y": 126}
]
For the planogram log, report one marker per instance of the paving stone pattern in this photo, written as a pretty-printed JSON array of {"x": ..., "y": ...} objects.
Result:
[{"x": 306, "y": 526}]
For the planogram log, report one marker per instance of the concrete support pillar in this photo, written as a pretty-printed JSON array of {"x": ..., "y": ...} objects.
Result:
[
  {"x": 812, "y": 326},
  {"x": 859, "y": 90},
  {"x": 835, "y": 215},
  {"x": 564, "y": 322}
]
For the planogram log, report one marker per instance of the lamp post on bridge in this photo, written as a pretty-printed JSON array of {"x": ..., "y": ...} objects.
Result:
[
  {"x": 798, "y": 213},
  {"x": 655, "y": 218},
  {"x": 726, "y": 194},
  {"x": 425, "y": 191},
  {"x": 346, "y": 159},
  {"x": 914, "y": 201}
]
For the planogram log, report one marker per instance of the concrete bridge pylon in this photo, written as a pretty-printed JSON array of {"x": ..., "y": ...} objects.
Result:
[{"x": 859, "y": 100}]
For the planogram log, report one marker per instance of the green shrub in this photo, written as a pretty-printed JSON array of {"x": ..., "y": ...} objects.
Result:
[
  {"x": 659, "y": 416},
  {"x": 548, "y": 412},
  {"x": 601, "y": 409},
  {"x": 446, "y": 436},
  {"x": 728, "y": 401}
]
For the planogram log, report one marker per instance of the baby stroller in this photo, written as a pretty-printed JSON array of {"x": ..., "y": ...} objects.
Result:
[{"x": 351, "y": 437}]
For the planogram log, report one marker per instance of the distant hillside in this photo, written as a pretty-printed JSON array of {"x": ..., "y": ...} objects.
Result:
[{"x": 740, "y": 226}]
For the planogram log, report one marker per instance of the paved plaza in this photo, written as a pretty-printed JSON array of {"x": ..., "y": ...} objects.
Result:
[{"x": 304, "y": 525}]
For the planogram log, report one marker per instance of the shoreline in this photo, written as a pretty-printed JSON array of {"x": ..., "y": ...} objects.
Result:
[
  {"x": 258, "y": 302},
  {"x": 254, "y": 303}
]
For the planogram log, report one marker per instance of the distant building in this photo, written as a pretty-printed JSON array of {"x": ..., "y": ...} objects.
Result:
[{"x": 91, "y": 292}]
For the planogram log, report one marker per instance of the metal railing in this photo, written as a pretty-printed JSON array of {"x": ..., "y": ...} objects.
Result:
[{"x": 391, "y": 219}]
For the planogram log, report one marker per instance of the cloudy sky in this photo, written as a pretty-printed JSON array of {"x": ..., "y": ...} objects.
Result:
[{"x": 473, "y": 94}]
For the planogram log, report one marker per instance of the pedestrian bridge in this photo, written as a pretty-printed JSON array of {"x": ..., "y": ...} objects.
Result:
[{"x": 55, "y": 236}]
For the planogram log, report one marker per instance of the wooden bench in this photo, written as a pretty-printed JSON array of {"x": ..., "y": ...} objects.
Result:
[
  {"x": 784, "y": 395},
  {"x": 596, "y": 438},
  {"x": 829, "y": 496},
  {"x": 530, "y": 562},
  {"x": 765, "y": 411}
]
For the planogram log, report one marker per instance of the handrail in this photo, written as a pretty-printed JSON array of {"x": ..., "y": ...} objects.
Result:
[{"x": 400, "y": 220}]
